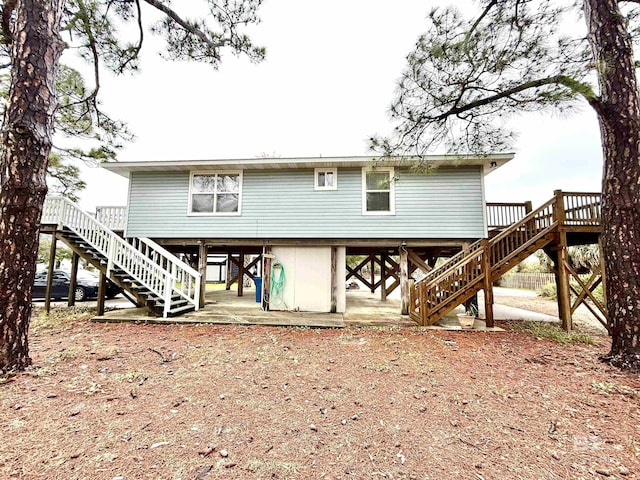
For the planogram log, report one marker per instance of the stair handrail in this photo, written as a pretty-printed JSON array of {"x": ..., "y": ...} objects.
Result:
[
  {"x": 187, "y": 278},
  {"x": 167, "y": 255},
  {"x": 451, "y": 262},
  {"x": 484, "y": 247},
  {"x": 159, "y": 281},
  {"x": 465, "y": 256},
  {"x": 531, "y": 216}
]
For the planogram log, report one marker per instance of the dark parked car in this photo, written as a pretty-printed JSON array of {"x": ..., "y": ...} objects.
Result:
[
  {"x": 86, "y": 285},
  {"x": 112, "y": 288}
]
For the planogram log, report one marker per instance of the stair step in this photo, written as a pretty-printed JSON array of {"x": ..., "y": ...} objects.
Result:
[
  {"x": 180, "y": 311},
  {"x": 175, "y": 300}
]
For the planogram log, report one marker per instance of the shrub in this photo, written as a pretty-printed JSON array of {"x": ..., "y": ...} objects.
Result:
[{"x": 549, "y": 291}]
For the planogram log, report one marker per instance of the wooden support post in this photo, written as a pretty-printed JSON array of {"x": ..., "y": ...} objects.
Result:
[
  {"x": 52, "y": 263},
  {"x": 229, "y": 270},
  {"x": 71, "y": 298},
  {"x": 558, "y": 211},
  {"x": 102, "y": 291},
  {"x": 555, "y": 258},
  {"x": 334, "y": 279},
  {"x": 528, "y": 207},
  {"x": 488, "y": 284},
  {"x": 404, "y": 281},
  {"x": 373, "y": 273},
  {"x": 266, "y": 277},
  {"x": 241, "y": 274},
  {"x": 562, "y": 275},
  {"x": 383, "y": 277},
  {"x": 202, "y": 269},
  {"x": 564, "y": 292}
]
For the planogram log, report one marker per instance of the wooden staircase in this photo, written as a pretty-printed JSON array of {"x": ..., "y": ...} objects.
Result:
[
  {"x": 566, "y": 216},
  {"x": 153, "y": 276}
]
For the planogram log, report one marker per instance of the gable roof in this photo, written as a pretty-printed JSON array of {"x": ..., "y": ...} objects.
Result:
[{"x": 488, "y": 162}]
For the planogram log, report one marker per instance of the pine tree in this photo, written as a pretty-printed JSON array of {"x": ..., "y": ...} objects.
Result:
[
  {"x": 33, "y": 33},
  {"x": 466, "y": 77}
]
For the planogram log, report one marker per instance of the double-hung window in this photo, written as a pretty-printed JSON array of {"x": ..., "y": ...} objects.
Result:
[
  {"x": 378, "y": 193},
  {"x": 216, "y": 193}
]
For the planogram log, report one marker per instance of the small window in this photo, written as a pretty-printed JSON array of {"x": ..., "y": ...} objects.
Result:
[
  {"x": 326, "y": 179},
  {"x": 215, "y": 193},
  {"x": 378, "y": 193}
]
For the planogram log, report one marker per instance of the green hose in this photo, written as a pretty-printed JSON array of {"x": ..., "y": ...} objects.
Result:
[{"x": 276, "y": 293}]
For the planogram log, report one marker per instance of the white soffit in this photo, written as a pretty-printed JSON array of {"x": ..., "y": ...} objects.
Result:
[{"x": 488, "y": 162}]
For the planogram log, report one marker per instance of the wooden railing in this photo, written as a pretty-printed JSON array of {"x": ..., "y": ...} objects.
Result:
[
  {"x": 114, "y": 218},
  {"x": 501, "y": 215},
  {"x": 186, "y": 278},
  {"x": 462, "y": 275},
  {"x": 141, "y": 267},
  {"x": 582, "y": 209},
  {"x": 511, "y": 242}
]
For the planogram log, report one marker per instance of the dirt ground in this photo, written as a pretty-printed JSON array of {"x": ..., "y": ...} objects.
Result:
[
  {"x": 528, "y": 300},
  {"x": 124, "y": 401}
]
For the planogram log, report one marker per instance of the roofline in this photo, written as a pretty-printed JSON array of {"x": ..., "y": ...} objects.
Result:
[{"x": 490, "y": 162}]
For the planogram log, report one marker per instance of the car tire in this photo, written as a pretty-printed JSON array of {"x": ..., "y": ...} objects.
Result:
[{"x": 79, "y": 294}]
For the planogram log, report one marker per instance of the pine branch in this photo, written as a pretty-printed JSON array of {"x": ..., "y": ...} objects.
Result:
[
  {"x": 484, "y": 13},
  {"x": 189, "y": 27},
  {"x": 138, "y": 47},
  {"x": 575, "y": 86},
  {"x": 84, "y": 16}
]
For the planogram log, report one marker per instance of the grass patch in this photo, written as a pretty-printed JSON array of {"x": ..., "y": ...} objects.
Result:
[
  {"x": 59, "y": 317},
  {"x": 42, "y": 372},
  {"x": 552, "y": 332},
  {"x": 609, "y": 388}
]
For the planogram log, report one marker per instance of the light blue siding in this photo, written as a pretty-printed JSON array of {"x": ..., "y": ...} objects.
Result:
[{"x": 283, "y": 204}]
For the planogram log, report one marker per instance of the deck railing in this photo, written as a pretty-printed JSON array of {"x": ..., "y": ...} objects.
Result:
[
  {"x": 582, "y": 209},
  {"x": 500, "y": 215},
  {"x": 115, "y": 218},
  {"x": 161, "y": 281}
]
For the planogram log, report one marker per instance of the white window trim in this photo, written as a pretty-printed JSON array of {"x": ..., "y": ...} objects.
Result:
[
  {"x": 215, "y": 214},
  {"x": 325, "y": 170},
  {"x": 392, "y": 191}
]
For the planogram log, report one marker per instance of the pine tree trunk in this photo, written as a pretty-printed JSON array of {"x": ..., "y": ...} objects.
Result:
[
  {"x": 618, "y": 112},
  {"x": 26, "y": 141}
]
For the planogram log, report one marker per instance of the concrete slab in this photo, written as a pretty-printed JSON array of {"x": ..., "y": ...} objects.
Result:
[{"x": 363, "y": 309}]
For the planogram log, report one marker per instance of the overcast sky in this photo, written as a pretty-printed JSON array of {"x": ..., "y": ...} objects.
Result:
[{"x": 324, "y": 88}]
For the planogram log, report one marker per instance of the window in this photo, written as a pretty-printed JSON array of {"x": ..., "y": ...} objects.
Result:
[
  {"x": 326, "y": 179},
  {"x": 215, "y": 193},
  {"x": 378, "y": 191}
]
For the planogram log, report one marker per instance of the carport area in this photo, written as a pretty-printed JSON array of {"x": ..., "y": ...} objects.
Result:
[{"x": 225, "y": 307}]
